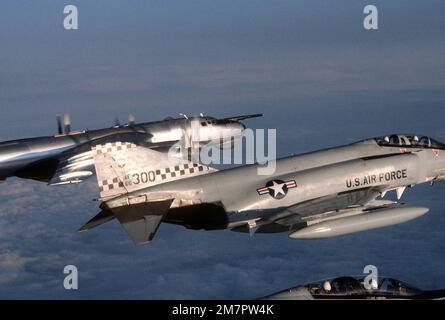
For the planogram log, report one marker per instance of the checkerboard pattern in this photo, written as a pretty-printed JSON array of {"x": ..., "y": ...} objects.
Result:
[
  {"x": 112, "y": 147},
  {"x": 145, "y": 176},
  {"x": 110, "y": 184},
  {"x": 180, "y": 170},
  {"x": 163, "y": 175}
]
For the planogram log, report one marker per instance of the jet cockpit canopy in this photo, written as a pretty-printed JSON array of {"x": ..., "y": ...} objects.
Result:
[
  {"x": 356, "y": 286},
  {"x": 409, "y": 141},
  {"x": 396, "y": 287}
]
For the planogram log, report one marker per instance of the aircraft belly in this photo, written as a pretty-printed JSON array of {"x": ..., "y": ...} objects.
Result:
[{"x": 11, "y": 166}]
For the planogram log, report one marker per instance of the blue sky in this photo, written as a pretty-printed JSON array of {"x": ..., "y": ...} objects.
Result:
[{"x": 309, "y": 66}]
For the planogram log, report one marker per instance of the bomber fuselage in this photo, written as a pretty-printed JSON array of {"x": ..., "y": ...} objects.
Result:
[{"x": 36, "y": 158}]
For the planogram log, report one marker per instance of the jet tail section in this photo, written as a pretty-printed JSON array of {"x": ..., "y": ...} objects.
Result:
[
  {"x": 125, "y": 167},
  {"x": 101, "y": 218},
  {"x": 141, "y": 221}
]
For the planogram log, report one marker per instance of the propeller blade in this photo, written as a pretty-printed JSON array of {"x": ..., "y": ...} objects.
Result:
[
  {"x": 59, "y": 125},
  {"x": 67, "y": 123},
  {"x": 131, "y": 119}
]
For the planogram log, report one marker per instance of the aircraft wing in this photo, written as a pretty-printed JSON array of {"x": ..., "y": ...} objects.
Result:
[
  {"x": 340, "y": 214},
  {"x": 324, "y": 207},
  {"x": 340, "y": 201}
]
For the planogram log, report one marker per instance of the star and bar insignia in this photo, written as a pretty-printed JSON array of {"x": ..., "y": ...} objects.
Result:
[{"x": 277, "y": 189}]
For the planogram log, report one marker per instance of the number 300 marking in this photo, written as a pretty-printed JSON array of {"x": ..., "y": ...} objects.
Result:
[{"x": 144, "y": 177}]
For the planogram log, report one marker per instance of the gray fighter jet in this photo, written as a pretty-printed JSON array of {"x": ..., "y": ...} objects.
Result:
[
  {"x": 67, "y": 158},
  {"x": 321, "y": 194},
  {"x": 354, "y": 288}
]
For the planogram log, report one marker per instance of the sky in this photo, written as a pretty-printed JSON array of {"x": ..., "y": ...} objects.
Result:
[{"x": 318, "y": 76}]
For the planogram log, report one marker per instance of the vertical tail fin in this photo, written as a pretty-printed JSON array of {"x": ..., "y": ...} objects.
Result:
[{"x": 123, "y": 167}]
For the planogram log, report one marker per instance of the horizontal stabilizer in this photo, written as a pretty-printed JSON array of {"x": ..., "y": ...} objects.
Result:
[
  {"x": 141, "y": 221},
  {"x": 143, "y": 230},
  {"x": 103, "y": 217}
]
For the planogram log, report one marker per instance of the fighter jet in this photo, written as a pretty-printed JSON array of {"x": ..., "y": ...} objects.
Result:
[
  {"x": 66, "y": 158},
  {"x": 321, "y": 194},
  {"x": 354, "y": 288}
]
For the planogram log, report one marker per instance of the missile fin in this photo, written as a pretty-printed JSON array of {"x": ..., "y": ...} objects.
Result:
[
  {"x": 253, "y": 227},
  {"x": 400, "y": 192}
]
